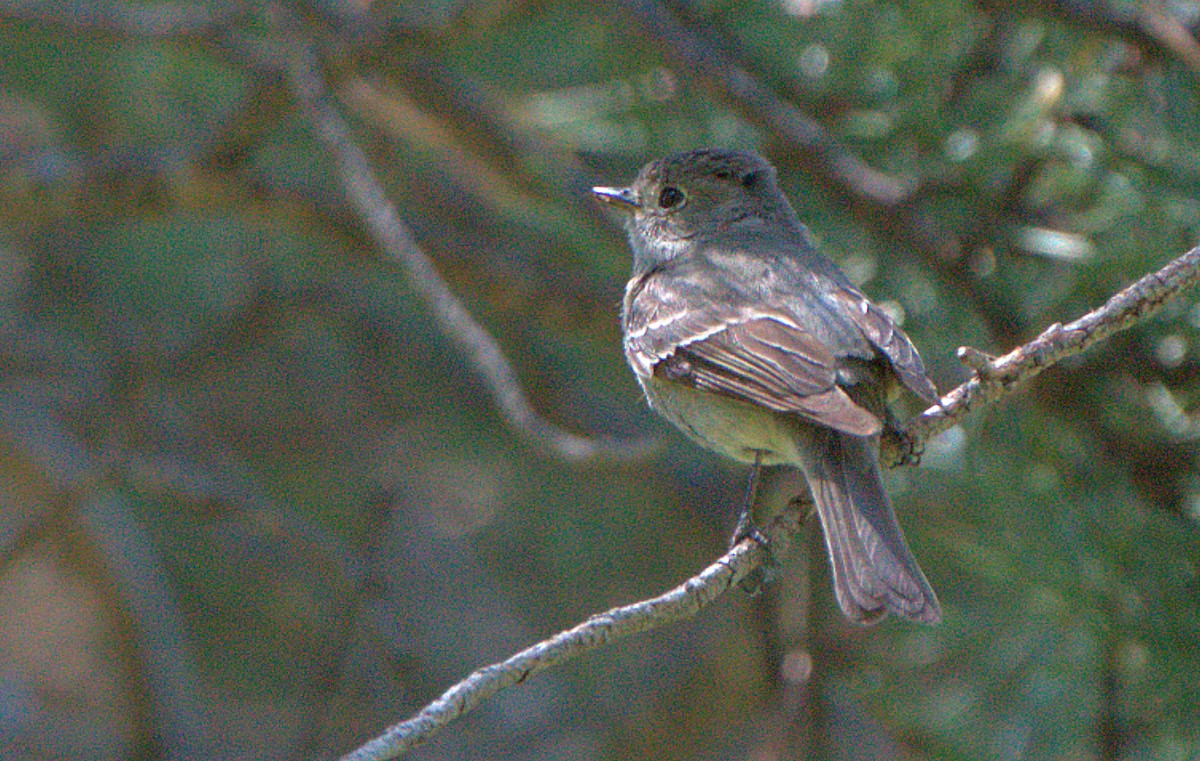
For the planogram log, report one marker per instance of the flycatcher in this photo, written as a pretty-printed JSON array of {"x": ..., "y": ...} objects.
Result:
[{"x": 760, "y": 348}]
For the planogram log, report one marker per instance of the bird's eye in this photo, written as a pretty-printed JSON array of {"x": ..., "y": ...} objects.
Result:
[{"x": 670, "y": 197}]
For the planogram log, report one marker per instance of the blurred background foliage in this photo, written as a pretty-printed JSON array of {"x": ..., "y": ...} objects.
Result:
[{"x": 255, "y": 504}]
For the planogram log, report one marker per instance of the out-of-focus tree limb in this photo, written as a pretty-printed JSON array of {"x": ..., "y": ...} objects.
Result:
[
  {"x": 757, "y": 103},
  {"x": 1164, "y": 26},
  {"x": 367, "y": 197},
  {"x": 389, "y": 231}
]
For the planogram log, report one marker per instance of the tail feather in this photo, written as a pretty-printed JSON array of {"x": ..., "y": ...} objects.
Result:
[{"x": 873, "y": 570}]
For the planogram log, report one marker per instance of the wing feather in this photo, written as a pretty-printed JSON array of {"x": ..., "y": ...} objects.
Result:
[
  {"x": 889, "y": 339},
  {"x": 741, "y": 351}
]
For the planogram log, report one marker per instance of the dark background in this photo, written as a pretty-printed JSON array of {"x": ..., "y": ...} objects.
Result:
[{"x": 255, "y": 504}]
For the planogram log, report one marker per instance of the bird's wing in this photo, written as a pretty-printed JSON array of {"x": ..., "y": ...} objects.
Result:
[
  {"x": 889, "y": 339},
  {"x": 764, "y": 357}
]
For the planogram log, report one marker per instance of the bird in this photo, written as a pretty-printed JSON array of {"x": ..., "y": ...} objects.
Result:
[{"x": 760, "y": 348}]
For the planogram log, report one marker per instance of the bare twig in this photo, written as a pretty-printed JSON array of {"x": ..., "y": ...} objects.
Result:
[
  {"x": 996, "y": 378},
  {"x": 394, "y": 237},
  {"x": 682, "y": 602}
]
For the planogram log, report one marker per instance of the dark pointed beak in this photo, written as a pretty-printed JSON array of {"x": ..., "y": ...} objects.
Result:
[{"x": 621, "y": 199}]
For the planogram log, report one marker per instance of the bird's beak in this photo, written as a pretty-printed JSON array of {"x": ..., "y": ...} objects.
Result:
[{"x": 621, "y": 199}]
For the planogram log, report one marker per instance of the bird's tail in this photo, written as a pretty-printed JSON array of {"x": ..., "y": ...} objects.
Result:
[{"x": 873, "y": 569}]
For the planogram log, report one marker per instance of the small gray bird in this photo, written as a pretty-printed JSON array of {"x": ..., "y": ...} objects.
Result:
[{"x": 760, "y": 348}]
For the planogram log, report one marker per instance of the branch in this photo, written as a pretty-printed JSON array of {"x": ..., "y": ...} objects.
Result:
[
  {"x": 681, "y": 603},
  {"x": 994, "y": 379},
  {"x": 391, "y": 234}
]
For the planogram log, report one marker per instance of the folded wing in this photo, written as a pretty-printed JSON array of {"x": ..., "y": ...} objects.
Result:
[{"x": 760, "y": 356}]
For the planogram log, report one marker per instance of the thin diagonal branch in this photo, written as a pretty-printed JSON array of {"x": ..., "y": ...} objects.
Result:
[
  {"x": 995, "y": 379},
  {"x": 682, "y": 602},
  {"x": 367, "y": 196}
]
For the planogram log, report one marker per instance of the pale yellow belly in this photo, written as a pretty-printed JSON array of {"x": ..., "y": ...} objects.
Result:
[{"x": 734, "y": 428}]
